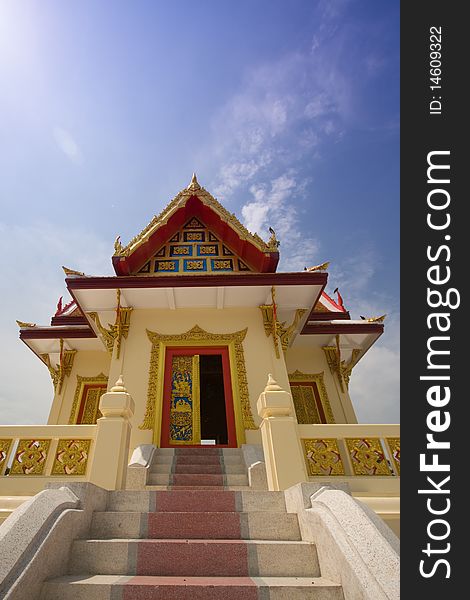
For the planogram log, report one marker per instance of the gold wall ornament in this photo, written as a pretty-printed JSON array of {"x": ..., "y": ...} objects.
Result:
[
  {"x": 71, "y": 457},
  {"x": 5, "y": 445},
  {"x": 285, "y": 333},
  {"x": 319, "y": 380},
  {"x": 81, "y": 383},
  {"x": 200, "y": 337},
  {"x": 63, "y": 369},
  {"x": 367, "y": 456},
  {"x": 346, "y": 368},
  {"x": 108, "y": 335},
  {"x": 23, "y": 324},
  {"x": 341, "y": 368},
  {"x": 278, "y": 330},
  {"x": 30, "y": 457},
  {"x": 114, "y": 333},
  {"x": 322, "y": 456},
  {"x": 123, "y": 324},
  {"x": 394, "y": 447}
]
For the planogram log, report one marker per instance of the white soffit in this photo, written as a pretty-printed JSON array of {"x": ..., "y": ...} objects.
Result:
[
  {"x": 287, "y": 297},
  {"x": 46, "y": 346}
]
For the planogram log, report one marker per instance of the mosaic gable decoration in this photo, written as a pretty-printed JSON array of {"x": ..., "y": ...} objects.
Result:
[{"x": 195, "y": 249}]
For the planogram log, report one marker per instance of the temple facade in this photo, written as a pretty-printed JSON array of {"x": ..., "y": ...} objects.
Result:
[{"x": 199, "y": 343}]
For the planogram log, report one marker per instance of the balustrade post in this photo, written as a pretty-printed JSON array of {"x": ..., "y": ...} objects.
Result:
[
  {"x": 285, "y": 465},
  {"x": 111, "y": 451}
]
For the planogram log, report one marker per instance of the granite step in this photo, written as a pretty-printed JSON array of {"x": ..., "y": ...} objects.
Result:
[
  {"x": 180, "y": 500},
  {"x": 115, "y": 587},
  {"x": 209, "y": 468},
  {"x": 194, "y": 558},
  {"x": 197, "y": 479},
  {"x": 187, "y": 525},
  {"x": 199, "y": 459}
]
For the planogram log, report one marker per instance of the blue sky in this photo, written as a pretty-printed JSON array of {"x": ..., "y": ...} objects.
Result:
[{"x": 287, "y": 110}]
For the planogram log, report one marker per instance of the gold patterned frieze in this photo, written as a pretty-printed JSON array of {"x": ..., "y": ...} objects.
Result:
[
  {"x": 71, "y": 457},
  {"x": 394, "y": 446},
  {"x": 81, "y": 383},
  {"x": 322, "y": 456},
  {"x": 200, "y": 337},
  {"x": 367, "y": 456},
  {"x": 30, "y": 457},
  {"x": 5, "y": 445}
]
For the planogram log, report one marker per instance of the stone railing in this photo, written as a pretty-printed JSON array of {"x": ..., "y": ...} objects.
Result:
[
  {"x": 358, "y": 453},
  {"x": 33, "y": 455}
]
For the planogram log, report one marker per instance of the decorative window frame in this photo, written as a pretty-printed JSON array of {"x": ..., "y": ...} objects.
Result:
[
  {"x": 81, "y": 383},
  {"x": 317, "y": 378}
]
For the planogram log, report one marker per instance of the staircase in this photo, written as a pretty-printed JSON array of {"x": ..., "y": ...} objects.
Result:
[{"x": 197, "y": 533}]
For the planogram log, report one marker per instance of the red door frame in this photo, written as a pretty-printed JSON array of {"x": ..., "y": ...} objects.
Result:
[{"x": 229, "y": 412}]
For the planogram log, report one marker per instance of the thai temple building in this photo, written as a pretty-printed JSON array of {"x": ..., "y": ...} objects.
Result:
[{"x": 201, "y": 441}]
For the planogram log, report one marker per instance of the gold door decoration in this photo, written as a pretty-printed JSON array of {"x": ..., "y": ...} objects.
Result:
[
  {"x": 394, "y": 446},
  {"x": 98, "y": 380},
  {"x": 185, "y": 421},
  {"x": 304, "y": 399},
  {"x": 323, "y": 457},
  {"x": 71, "y": 457},
  {"x": 367, "y": 456},
  {"x": 30, "y": 457},
  {"x": 199, "y": 337}
]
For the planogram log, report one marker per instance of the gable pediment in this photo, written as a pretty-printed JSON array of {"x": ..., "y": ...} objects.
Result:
[{"x": 195, "y": 228}]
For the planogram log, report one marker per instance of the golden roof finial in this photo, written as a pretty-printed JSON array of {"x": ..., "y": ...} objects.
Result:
[
  {"x": 323, "y": 267},
  {"x": 68, "y": 272},
  {"x": 380, "y": 319},
  {"x": 194, "y": 185},
  {"x": 23, "y": 324}
]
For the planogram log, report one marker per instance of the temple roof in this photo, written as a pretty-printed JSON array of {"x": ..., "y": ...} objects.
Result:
[{"x": 196, "y": 202}]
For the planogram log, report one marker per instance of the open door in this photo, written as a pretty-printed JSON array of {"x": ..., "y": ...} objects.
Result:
[{"x": 197, "y": 398}]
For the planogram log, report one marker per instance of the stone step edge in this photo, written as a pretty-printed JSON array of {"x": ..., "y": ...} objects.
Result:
[{"x": 153, "y": 580}]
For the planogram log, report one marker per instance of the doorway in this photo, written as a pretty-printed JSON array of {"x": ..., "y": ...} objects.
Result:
[{"x": 197, "y": 398}]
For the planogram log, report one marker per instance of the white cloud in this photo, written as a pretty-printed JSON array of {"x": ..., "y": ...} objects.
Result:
[
  {"x": 67, "y": 144},
  {"x": 375, "y": 386},
  {"x": 30, "y": 288}
]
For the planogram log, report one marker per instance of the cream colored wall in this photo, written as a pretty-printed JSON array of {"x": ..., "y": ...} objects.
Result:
[
  {"x": 85, "y": 364},
  {"x": 134, "y": 363},
  {"x": 313, "y": 360}
]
